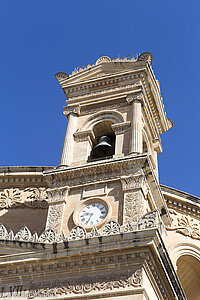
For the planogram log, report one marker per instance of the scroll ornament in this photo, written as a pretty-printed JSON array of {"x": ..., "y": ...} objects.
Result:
[
  {"x": 184, "y": 224},
  {"x": 29, "y": 197}
]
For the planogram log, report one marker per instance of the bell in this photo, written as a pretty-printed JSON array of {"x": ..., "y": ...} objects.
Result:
[{"x": 103, "y": 148}]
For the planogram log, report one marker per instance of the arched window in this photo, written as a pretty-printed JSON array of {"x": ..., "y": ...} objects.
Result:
[{"x": 188, "y": 271}]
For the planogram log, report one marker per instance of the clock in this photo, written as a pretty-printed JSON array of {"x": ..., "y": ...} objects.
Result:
[{"x": 92, "y": 214}]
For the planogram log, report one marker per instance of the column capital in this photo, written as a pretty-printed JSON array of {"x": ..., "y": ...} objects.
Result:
[
  {"x": 135, "y": 96},
  {"x": 58, "y": 194},
  {"x": 134, "y": 182},
  {"x": 72, "y": 109}
]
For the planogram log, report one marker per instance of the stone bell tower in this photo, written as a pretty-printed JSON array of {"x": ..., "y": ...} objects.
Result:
[{"x": 104, "y": 197}]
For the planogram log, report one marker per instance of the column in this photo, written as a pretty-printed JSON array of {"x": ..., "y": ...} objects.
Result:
[
  {"x": 57, "y": 199},
  {"x": 135, "y": 190},
  {"x": 71, "y": 113},
  {"x": 136, "y": 122}
]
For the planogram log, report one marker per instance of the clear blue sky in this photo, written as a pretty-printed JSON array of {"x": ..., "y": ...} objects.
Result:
[{"x": 42, "y": 37}]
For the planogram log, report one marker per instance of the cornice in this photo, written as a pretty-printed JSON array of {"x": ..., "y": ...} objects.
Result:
[
  {"x": 24, "y": 176},
  {"x": 182, "y": 201},
  {"x": 101, "y": 170}
]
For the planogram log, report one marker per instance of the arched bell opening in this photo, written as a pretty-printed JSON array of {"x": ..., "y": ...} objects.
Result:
[
  {"x": 104, "y": 142},
  {"x": 188, "y": 271}
]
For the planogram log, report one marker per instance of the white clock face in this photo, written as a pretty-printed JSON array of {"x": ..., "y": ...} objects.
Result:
[{"x": 92, "y": 214}]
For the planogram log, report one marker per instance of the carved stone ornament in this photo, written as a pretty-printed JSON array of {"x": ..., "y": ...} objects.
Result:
[
  {"x": 146, "y": 56},
  {"x": 48, "y": 236},
  {"x": 149, "y": 220},
  {"x": 103, "y": 59},
  {"x": 58, "y": 194},
  {"x": 120, "y": 128},
  {"x": 132, "y": 207},
  {"x": 184, "y": 224},
  {"x": 86, "y": 284},
  {"x": 128, "y": 227},
  {"x": 94, "y": 232},
  {"x": 3, "y": 232},
  {"x": 29, "y": 197},
  {"x": 54, "y": 218},
  {"x": 73, "y": 109},
  {"x": 61, "y": 237},
  {"x": 137, "y": 96},
  {"x": 132, "y": 182},
  {"x": 23, "y": 235},
  {"x": 111, "y": 227},
  {"x": 77, "y": 233},
  {"x": 61, "y": 75}
]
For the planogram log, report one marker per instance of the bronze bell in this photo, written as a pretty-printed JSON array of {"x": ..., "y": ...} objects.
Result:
[{"x": 103, "y": 148}]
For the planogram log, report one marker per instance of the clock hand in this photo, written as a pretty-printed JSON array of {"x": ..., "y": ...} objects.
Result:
[{"x": 91, "y": 214}]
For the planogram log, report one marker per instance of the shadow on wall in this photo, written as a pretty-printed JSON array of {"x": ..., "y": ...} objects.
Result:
[{"x": 16, "y": 218}]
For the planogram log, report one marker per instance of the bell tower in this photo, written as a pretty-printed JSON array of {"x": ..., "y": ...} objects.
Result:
[{"x": 104, "y": 198}]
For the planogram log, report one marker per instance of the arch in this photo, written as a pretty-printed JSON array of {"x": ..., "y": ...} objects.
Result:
[
  {"x": 102, "y": 116},
  {"x": 183, "y": 249},
  {"x": 188, "y": 271}
]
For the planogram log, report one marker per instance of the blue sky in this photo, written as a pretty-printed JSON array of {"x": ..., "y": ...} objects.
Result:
[{"x": 42, "y": 37}]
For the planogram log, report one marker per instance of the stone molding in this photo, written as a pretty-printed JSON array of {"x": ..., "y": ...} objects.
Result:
[
  {"x": 57, "y": 194},
  {"x": 81, "y": 136},
  {"x": 121, "y": 128},
  {"x": 182, "y": 204},
  {"x": 29, "y": 197},
  {"x": 110, "y": 90},
  {"x": 103, "y": 171},
  {"x": 71, "y": 109},
  {"x": 184, "y": 224},
  {"x": 87, "y": 285}
]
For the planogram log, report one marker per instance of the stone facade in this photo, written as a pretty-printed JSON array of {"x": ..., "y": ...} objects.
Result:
[{"x": 101, "y": 227}]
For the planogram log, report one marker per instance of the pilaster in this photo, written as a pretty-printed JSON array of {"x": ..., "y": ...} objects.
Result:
[
  {"x": 135, "y": 189},
  {"x": 57, "y": 198}
]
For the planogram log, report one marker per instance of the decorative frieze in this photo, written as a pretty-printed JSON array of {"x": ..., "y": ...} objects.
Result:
[
  {"x": 98, "y": 283},
  {"x": 28, "y": 197},
  {"x": 98, "y": 172},
  {"x": 54, "y": 234},
  {"x": 184, "y": 224}
]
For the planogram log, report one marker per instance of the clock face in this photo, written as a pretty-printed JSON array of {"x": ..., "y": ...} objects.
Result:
[{"x": 92, "y": 214}]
